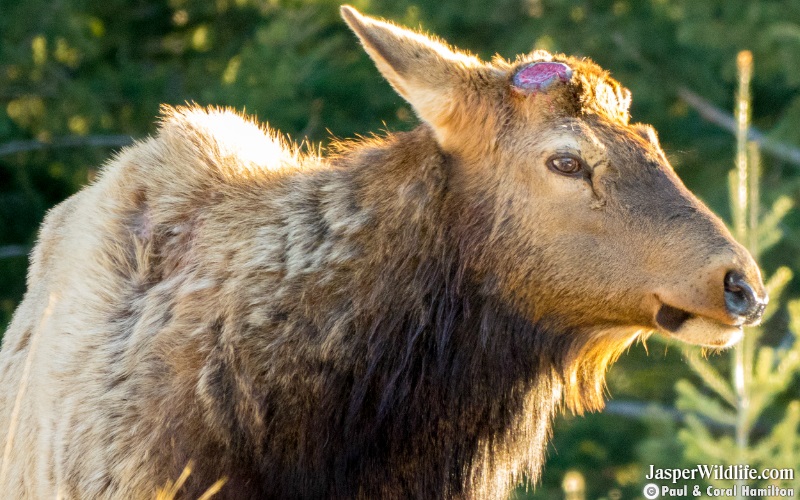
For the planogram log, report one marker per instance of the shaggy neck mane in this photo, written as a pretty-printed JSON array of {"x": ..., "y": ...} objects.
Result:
[{"x": 448, "y": 367}]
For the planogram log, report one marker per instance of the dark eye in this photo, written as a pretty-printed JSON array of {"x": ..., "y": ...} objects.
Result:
[{"x": 565, "y": 164}]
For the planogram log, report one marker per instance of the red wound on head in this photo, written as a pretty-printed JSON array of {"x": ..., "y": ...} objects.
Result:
[{"x": 540, "y": 75}]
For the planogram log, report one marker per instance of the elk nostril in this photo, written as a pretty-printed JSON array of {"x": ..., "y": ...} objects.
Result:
[{"x": 741, "y": 300}]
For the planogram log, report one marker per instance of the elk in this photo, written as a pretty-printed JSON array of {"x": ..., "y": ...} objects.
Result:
[{"x": 399, "y": 319}]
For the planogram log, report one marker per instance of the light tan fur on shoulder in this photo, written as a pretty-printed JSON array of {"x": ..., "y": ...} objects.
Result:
[{"x": 93, "y": 250}]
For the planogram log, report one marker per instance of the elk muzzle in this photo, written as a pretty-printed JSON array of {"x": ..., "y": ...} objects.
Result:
[{"x": 712, "y": 309}]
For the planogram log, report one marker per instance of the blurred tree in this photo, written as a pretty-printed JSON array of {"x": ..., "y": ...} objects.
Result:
[{"x": 760, "y": 374}]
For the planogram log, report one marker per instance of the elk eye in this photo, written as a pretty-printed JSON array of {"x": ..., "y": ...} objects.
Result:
[{"x": 565, "y": 164}]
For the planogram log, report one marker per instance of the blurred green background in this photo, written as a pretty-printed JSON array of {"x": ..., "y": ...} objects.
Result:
[{"x": 79, "y": 78}]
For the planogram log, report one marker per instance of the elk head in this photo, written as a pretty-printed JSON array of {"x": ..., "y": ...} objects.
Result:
[{"x": 582, "y": 222}]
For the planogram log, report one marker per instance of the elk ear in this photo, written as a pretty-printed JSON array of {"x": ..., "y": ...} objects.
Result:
[{"x": 429, "y": 75}]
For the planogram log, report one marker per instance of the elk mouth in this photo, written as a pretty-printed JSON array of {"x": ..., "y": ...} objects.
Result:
[
  {"x": 671, "y": 318},
  {"x": 696, "y": 329}
]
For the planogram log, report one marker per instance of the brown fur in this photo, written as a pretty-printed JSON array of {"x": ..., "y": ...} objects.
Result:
[{"x": 399, "y": 320}]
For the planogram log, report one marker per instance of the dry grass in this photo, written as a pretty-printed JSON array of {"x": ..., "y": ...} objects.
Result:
[{"x": 170, "y": 490}]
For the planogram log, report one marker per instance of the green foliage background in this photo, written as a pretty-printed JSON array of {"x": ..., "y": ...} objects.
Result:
[{"x": 84, "y": 69}]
